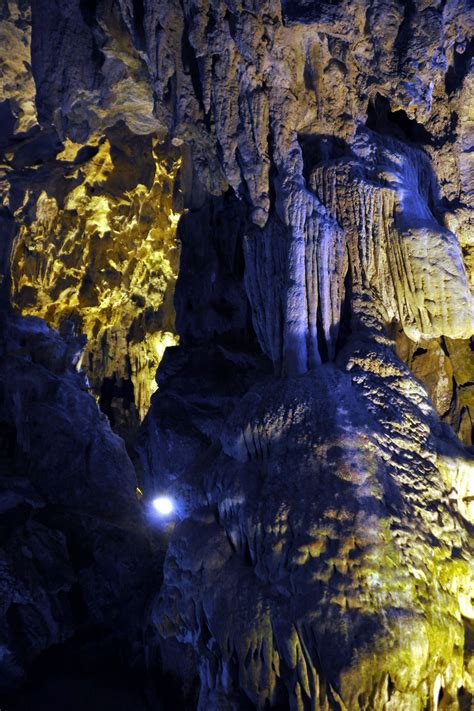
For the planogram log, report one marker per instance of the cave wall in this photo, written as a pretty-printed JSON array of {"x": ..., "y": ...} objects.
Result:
[
  {"x": 259, "y": 97},
  {"x": 94, "y": 250},
  {"x": 279, "y": 193}
]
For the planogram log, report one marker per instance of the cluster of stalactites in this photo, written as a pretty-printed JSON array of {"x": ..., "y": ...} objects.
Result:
[
  {"x": 410, "y": 264},
  {"x": 372, "y": 229},
  {"x": 296, "y": 286}
]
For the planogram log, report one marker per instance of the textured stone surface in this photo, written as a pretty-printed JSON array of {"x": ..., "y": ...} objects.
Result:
[
  {"x": 329, "y": 563},
  {"x": 288, "y": 86},
  {"x": 68, "y": 503},
  {"x": 322, "y": 156},
  {"x": 93, "y": 203},
  {"x": 96, "y": 248},
  {"x": 17, "y": 88}
]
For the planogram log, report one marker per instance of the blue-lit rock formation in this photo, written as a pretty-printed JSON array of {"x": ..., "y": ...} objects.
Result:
[
  {"x": 68, "y": 502},
  {"x": 311, "y": 165}
]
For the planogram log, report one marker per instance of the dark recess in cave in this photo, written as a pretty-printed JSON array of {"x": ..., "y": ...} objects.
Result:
[
  {"x": 138, "y": 23},
  {"x": 88, "y": 11},
  {"x": 85, "y": 154},
  {"x": 7, "y": 123},
  {"x": 404, "y": 31},
  {"x": 345, "y": 329},
  {"x": 87, "y": 670},
  {"x": 232, "y": 22},
  {"x": 306, "y": 10},
  {"x": 457, "y": 71},
  {"x": 190, "y": 64},
  {"x": 112, "y": 389},
  {"x": 382, "y": 119},
  {"x": 319, "y": 148}
]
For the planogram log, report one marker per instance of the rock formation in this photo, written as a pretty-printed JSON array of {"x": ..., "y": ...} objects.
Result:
[
  {"x": 72, "y": 198},
  {"x": 271, "y": 203},
  {"x": 101, "y": 256}
]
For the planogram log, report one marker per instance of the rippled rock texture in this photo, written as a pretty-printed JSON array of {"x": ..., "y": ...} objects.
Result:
[{"x": 280, "y": 194}]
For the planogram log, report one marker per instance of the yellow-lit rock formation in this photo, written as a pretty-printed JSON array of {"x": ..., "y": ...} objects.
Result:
[
  {"x": 16, "y": 82},
  {"x": 103, "y": 256}
]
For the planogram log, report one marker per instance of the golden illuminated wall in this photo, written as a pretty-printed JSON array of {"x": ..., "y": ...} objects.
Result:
[{"x": 103, "y": 256}]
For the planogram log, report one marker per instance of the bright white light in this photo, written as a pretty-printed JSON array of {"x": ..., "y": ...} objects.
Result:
[{"x": 163, "y": 505}]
